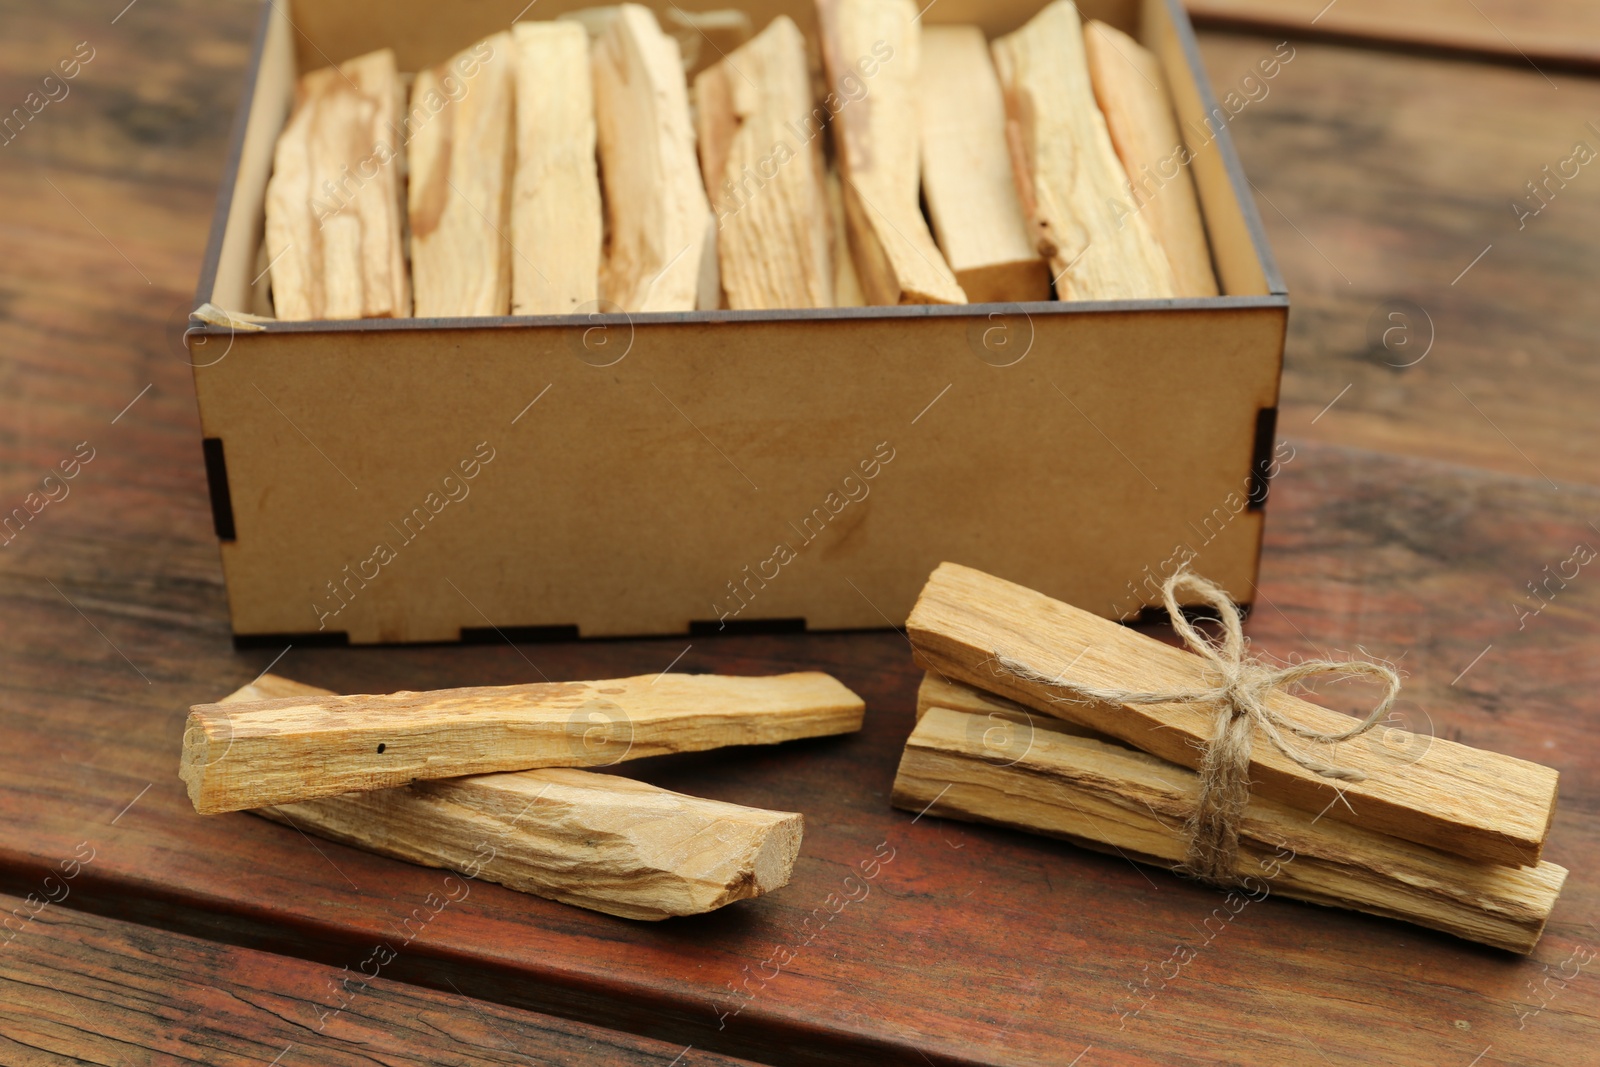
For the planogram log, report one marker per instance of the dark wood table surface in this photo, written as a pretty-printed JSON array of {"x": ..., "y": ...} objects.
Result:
[
  {"x": 1432, "y": 481},
  {"x": 1564, "y": 33}
]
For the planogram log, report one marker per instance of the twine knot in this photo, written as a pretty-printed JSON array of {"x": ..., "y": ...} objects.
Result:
[{"x": 1242, "y": 688}]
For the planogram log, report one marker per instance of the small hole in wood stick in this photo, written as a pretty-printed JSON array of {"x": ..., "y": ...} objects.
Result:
[{"x": 381, "y": 747}]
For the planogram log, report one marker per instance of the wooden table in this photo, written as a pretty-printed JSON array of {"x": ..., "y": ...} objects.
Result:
[
  {"x": 1560, "y": 33},
  {"x": 1431, "y": 482}
]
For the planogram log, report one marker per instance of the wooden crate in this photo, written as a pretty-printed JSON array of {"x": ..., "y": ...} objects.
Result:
[{"x": 670, "y": 473}]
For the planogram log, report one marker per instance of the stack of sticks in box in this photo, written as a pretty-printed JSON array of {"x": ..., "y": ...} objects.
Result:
[
  {"x": 571, "y": 166},
  {"x": 1429, "y": 831},
  {"x": 490, "y": 782}
]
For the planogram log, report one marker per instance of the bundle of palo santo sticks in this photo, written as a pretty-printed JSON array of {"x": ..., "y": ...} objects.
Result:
[
  {"x": 571, "y": 166},
  {"x": 490, "y": 782},
  {"x": 1039, "y": 716}
]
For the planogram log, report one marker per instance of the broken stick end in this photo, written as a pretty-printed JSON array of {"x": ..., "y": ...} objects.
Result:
[
  {"x": 774, "y": 860},
  {"x": 1019, "y": 282},
  {"x": 198, "y": 734},
  {"x": 842, "y": 700}
]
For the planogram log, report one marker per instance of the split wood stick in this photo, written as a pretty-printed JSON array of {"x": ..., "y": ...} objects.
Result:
[
  {"x": 1133, "y": 96},
  {"x": 764, "y": 171},
  {"x": 656, "y": 206},
  {"x": 594, "y": 20},
  {"x": 463, "y": 154},
  {"x": 335, "y": 229},
  {"x": 556, "y": 227},
  {"x": 871, "y": 50},
  {"x": 385, "y": 273},
  {"x": 598, "y": 841},
  {"x": 274, "y": 751},
  {"x": 594, "y": 840},
  {"x": 937, "y": 692},
  {"x": 1068, "y": 173},
  {"x": 709, "y": 296},
  {"x": 1118, "y": 800},
  {"x": 703, "y": 37},
  {"x": 1481, "y": 805},
  {"x": 716, "y": 130},
  {"x": 967, "y": 176},
  {"x": 846, "y": 284}
]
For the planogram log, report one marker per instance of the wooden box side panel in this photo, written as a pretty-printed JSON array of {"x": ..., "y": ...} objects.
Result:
[
  {"x": 239, "y": 283},
  {"x": 401, "y": 485},
  {"x": 1239, "y": 247}
]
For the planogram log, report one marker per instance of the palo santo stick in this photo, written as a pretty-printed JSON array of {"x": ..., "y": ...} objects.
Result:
[
  {"x": 1117, "y": 800},
  {"x": 967, "y": 176},
  {"x": 595, "y": 840},
  {"x": 462, "y": 159},
  {"x": 870, "y": 49},
  {"x": 766, "y": 181},
  {"x": 656, "y": 204},
  {"x": 1068, "y": 173},
  {"x": 275, "y": 751},
  {"x": 335, "y": 231},
  {"x": 556, "y": 226},
  {"x": 1480, "y": 805},
  {"x": 594, "y": 20},
  {"x": 598, "y": 841},
  {"x": 1133, "y": 96},
  {"x": 937, "y": 692},
  {"x": 385, "y": 274},
  {"x": 709, "y": 296},
  {"x": 846, "y": 284},
  {"x": 705, "y": 37}
]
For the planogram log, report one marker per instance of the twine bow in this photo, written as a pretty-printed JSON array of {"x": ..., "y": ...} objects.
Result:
[{"x": 1240, "y": 695}]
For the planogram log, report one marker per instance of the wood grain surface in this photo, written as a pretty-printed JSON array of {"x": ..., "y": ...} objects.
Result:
[
  {"x": 1524, "y": 32},
  {"x": 85, "y": 989},
  {"x": 249, "y": 753},
  {"x": 944, "y": 950},
  {"x": 1404, "y": 524},
  {"x": 1381, "y": 180}
]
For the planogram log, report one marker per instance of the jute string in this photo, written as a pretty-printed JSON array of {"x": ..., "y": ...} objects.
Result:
[{"x": 1242, "y": 686}]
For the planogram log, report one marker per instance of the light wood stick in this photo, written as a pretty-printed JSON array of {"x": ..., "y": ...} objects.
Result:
[
  {"x": 967, "y": 176},
  {"x": 385, "y": 272},
  {"x": 291, "y": 243},
  {"x": 871, "y": 51},
  {"x": 386, "y": 265},
  {"x": 709, "y": 296},
  {"x": 765, "y": 174},
  {"x": 705, "y": 37},
  {"x": 463, "y": 153},
  {"x": 1117, "y": 800},
  {"x": 556, "y": 227},
  {"x": 656, "y": 204},
  {"x": 1481, "y": 805},
  {"x": 594, "y": 20},
  {"x": 846, "y": 283},
  {"x": 938, "y": 692},
  {"x": 1068, "y": 173},
  {"x": 1133, "y": 96},
  {"x": 275, "y": 751},
  {"x": 335, "y": 229},
  {"x": 598, "y": 841}
]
